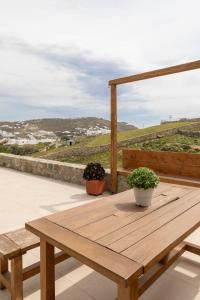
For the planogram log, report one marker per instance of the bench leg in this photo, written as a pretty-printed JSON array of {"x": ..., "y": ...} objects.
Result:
[
  {"x": 3, "y": 270},
  {"x": 128, "y": 293},
  {"x": 16, "y": 278},
  {"x": 47, "y": 271}
]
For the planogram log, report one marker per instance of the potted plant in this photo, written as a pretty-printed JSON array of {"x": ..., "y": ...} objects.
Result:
[
  {"x": 143, "y": 180},
  {"x": 94, "y": 175}
]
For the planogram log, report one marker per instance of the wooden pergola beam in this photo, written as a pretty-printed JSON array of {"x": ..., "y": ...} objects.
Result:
[
  {"x": 142, "y": 76},
  {"x": 157, "y": 73}
]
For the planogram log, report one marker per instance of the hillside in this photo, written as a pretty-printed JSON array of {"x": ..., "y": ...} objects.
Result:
[
  {"x": 49, "y": 130},
  {"x": 105, "y": 139},
  {"x": 90, "y": 145},
  {"x": 74, "y": 125}
]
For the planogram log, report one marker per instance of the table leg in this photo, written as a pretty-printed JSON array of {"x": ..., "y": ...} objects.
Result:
[
  {"x": 47, "y": 271},
  {"x": 128, "y": 293}
]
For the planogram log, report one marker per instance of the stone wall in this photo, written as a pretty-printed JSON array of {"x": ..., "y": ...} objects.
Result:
[
  {"x": 82, "y": 151},
  {"x": 43, "y": 167},
  {"x": 194, "y": 134},
  {"x": 68, "y": 172}
]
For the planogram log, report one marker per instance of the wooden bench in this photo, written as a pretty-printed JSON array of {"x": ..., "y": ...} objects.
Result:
[
  {"x": 13, "y": 245},
  {"x": 172, "y": 167}
]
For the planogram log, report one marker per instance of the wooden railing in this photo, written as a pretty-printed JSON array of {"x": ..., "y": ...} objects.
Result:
[
  {"x": 142, "y": 76},
  {"x": 165, "y": 162}
]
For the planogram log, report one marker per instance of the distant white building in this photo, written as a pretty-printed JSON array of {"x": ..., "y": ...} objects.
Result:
[{"x": 97, "y": 131}]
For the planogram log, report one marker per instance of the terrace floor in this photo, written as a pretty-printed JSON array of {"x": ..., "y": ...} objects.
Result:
[{"x": 24, "y": 197}]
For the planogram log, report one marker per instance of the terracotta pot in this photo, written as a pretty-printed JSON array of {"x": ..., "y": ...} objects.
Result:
[{"x": 95, "y": 187}]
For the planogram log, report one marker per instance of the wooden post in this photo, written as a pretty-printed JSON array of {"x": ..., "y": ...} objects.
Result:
[
  {"x": 113, "y": 167},
  {"x": 47, "y": 271}
]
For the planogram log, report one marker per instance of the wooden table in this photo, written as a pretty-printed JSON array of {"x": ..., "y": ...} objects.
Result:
[{"x": 128, "y": 244}]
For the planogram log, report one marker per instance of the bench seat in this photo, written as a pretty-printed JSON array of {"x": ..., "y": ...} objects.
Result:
[
  {"x": 17, "y": 242},
  {"x": 13, "y": 245}
]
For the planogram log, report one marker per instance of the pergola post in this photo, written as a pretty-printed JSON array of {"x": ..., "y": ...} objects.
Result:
[{"x": 113, "y": 181}]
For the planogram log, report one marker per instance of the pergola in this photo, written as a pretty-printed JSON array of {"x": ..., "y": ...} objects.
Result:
[{"x": 142, "y": 76}]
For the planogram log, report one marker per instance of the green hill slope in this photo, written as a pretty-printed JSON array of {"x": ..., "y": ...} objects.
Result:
[{"x": 124, "y": 135}]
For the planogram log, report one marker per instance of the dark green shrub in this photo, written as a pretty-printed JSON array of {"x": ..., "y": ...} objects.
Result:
[{"x": 94, "y": 171}]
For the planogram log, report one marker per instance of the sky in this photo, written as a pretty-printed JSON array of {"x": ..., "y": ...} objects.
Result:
[{"x": 57, "y": 56}]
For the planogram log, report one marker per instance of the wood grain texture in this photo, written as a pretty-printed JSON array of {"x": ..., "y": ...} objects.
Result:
[
  {"x": 34, "y": 269},
  {"x": 79, "y": 216},
  {"x": 24, "y": 239},
  {"x": 193, "y": 248},
  {"x": 16, "y": 242},
  {"x": 126, "y": 236},
  {"x": 155, "y": 246},
  {"x": 173, "y": 179},
  {"x": 128, "y": 293},
  {"x": 16, "y": 278},
  {"x": 121, "y": 225},
  {"x": 8, "y": 248},
  {"x": 110, "y": 264},
  {"x": 127, "y": 214},
  {"x": 157, "y": 73},
  {"x": 181, "y": 164},
  {"x": 5, "y": 281},
  {"x": 3, "y": 270},
  {"x": 118, "y": 205},
  {"x": 113, "y": 163},
  {"x": 47, "y": 271}
]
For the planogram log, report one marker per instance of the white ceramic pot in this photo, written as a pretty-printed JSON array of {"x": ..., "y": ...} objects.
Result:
[{"x": 143, "y": 197}]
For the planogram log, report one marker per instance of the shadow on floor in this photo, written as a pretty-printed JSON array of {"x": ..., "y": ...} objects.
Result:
[
  {"x": 75, "y": 198},
  {"x": 83, "y": 197}
]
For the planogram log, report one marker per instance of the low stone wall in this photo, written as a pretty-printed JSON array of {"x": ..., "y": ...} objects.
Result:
[
  {"x": 194, "y": 134},
  {"x": 82, "y": 151},
  {"x": 43, "y": 167},
  {"x": 72, "y": 173}
]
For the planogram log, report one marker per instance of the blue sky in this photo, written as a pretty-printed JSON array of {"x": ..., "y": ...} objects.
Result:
[{"x": 57, "y": 56}]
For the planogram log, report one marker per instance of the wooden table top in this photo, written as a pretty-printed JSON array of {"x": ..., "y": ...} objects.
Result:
[{"x": 118, "y": 238}]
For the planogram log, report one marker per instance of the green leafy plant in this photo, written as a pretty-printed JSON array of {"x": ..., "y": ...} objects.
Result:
[
  {"x": 94, "y": 171},
  {"x": 143, "y": 178}
]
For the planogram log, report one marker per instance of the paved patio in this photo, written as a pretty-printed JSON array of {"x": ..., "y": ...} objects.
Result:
[{"x": 25, "y": 197}]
